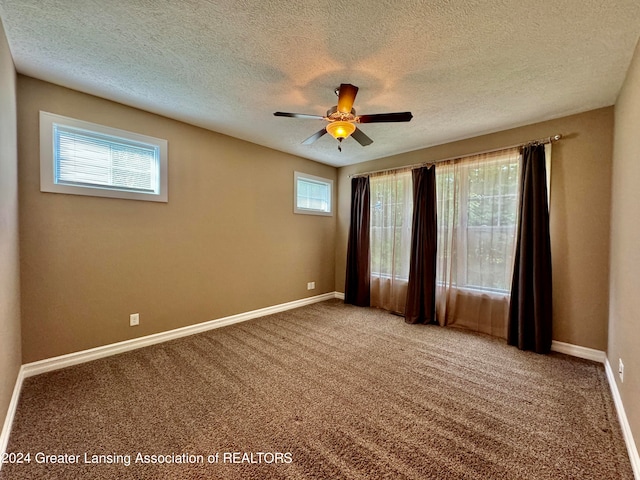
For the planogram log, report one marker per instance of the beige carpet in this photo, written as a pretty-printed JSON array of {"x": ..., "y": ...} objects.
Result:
[{"x": 327, "y": 391}]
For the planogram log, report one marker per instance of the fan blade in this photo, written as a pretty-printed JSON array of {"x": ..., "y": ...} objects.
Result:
[
  {"x": 385, "y": 117},
  {"x": 359, "y": 136},
  {"x": 314, "y": 137},
  {"x": 346, "y": 97},
  {"x": 297, "y": 115}
]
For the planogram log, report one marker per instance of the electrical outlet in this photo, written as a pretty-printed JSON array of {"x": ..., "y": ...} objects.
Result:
[
  {"x": 311, "y": 285},
  {"x": 134, "y": 319},
  {"x": 621, "y": 369}
]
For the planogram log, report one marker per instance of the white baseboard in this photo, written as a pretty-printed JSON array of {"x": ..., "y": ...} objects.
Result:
[
  {"x": 11, "y": 412},
  {"x": 55, "y": 363},
  {"x": 600, "y": 356},
  {"x": 578, "y": 351},
  {"x": 624, "y": 422}
]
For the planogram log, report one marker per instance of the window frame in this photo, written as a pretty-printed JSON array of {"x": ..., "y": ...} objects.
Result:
[
  {"x": 315, "y": 179},
  {"x": 47, "y": 160}
]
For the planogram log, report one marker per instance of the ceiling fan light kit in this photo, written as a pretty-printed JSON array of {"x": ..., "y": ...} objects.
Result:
[
  {"x": 342, "y": 118},
  {"x": 341, "y": 130}
]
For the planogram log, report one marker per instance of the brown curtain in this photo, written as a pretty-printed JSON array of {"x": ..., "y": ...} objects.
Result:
[
  {"x": 357, "y": 291},
  {"x": 530, "y": 307},
  {"x": 421, "y": 291}
]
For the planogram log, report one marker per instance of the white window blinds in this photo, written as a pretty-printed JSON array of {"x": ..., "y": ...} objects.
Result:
[
  {"x": 85, "y": 158},
  {"x": 312, "y": 194}
]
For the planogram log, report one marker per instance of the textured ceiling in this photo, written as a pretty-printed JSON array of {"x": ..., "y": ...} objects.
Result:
[{"x": 463, "y": 68}]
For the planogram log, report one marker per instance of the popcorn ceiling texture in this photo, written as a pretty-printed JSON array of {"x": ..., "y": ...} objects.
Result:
[{"x": 462, "y": 68}]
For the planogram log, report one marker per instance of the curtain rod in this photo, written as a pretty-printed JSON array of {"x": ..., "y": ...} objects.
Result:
[{"x": 540, "y": 141}]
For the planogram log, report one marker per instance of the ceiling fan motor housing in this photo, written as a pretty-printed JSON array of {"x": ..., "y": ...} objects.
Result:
[{"x": 334, "y": 114}]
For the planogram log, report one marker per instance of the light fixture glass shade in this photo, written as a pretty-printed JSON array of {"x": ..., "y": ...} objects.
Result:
[{"x": 340, "y": 129}]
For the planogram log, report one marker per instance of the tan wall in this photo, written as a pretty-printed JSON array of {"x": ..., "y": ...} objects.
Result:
[
  {"x": 579, "y": 215},
  {"x": 9, "y": 257},
  {"x": 624, "y": 292},
  {"x": 227, "y": 242}
]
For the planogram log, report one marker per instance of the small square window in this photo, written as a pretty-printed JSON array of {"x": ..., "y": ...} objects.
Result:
[
  {"x": 82, "y": 158},
  {"x": 312, "y": 195}
]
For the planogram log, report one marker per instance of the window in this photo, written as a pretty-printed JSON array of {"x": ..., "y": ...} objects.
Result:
[
  {"x": 312, "y": 195},
  {"x": 82, "y": 158},
  {"x": 391, "y": 201},
  {"x": 477, "y": 213}
]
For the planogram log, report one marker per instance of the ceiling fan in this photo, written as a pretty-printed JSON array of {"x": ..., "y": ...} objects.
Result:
[{"x": 342, "y": 118}]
